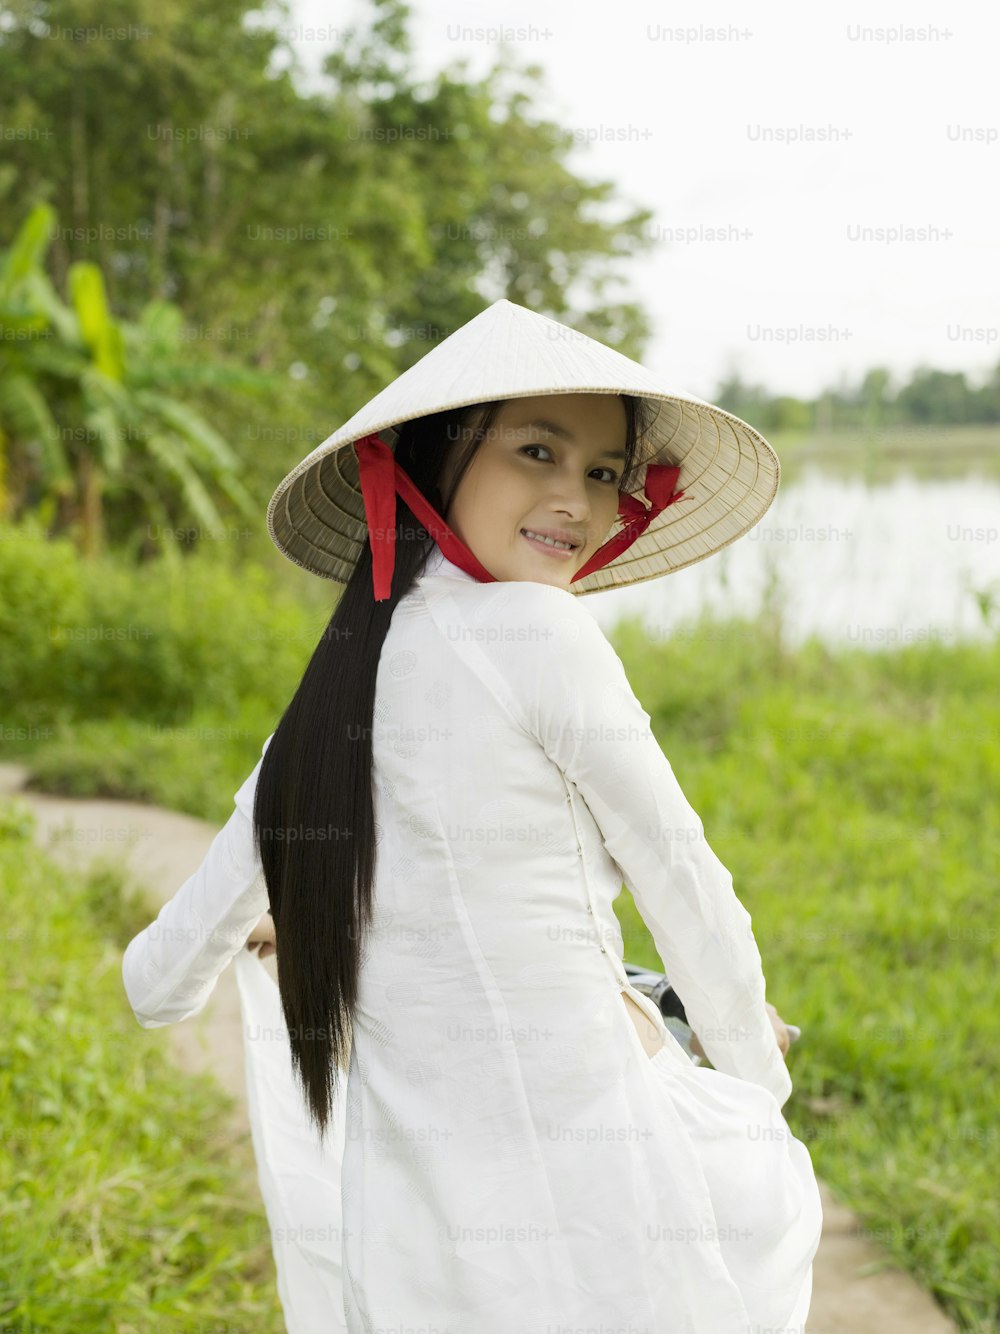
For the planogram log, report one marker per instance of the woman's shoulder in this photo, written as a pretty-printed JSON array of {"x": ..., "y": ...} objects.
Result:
[{"x": 535, "y": 634}]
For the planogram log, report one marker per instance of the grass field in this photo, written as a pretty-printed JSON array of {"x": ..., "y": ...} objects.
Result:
[
  {"x": 852, "y": 795},
  {"x": 126, "y": 1204},
  {"x": 878, "y": 454}
]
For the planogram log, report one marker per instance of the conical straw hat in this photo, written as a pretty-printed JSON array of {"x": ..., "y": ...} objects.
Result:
[{"x": 728, "y": 471}]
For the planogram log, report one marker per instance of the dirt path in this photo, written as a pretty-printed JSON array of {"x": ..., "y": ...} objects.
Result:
[{"x": 856, "y": 1288}]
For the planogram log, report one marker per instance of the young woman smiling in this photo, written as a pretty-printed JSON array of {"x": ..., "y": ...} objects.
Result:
[{"x": 521, "y": 1144}]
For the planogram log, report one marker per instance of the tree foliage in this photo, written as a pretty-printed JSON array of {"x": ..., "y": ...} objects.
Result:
[
  {"x": 213, "y": 220},
  {"x": 929, "y": 398},
  {"x": 89, "y": 405},
  {"x": 329, "y": 237}
]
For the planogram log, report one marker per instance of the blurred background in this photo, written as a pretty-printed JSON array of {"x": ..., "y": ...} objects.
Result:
[{"x": 222, "y": 230}]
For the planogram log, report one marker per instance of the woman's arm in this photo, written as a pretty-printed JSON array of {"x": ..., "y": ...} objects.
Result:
[
  {"x": 777, "y": 1023},
  {"x": 263, "y": 935},
  {"x": 581, "y": 708},
  {"x": 171, "y": 967}
]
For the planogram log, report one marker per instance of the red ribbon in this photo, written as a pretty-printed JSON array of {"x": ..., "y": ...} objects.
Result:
[
  {"x": 381, "y": 478},
  {"x": 661, "y": 478}
]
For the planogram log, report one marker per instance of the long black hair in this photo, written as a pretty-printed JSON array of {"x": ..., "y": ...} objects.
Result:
[{"x": 313, "y": 813}]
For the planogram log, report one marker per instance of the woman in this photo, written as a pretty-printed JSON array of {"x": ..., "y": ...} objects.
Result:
[{"x": 522, "y": 1144}]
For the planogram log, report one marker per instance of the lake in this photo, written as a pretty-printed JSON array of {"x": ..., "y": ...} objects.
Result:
[{"x": 853, "y": 561}]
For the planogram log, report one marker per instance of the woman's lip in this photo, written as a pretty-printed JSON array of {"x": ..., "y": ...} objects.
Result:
[{"x": 558, "y": 552}]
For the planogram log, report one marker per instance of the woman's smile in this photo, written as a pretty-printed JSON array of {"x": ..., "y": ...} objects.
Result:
[{"x": 549, "y": 546}]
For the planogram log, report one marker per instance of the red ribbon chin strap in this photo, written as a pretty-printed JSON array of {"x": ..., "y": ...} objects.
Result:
[
  {"x": 661, "y": 478},
  {"x": 381, "y": 478}
]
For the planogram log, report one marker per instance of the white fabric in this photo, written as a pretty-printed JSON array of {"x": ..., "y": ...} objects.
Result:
[{"x": 509, "y": 1160}]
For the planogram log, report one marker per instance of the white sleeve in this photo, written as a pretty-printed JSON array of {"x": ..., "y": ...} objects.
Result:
[
  {"x": 581, "y": 708},
  {"x": 171, "y": 967}
]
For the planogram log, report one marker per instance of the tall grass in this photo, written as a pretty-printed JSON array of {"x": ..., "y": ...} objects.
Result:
[
  {"x": 128, "y": 1204},
  {"x": 853, "y": 797}
]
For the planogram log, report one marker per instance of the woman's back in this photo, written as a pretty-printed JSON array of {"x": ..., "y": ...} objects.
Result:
[
  {"x": 509, "y": 1144},
  {"x": 493, "y": 938}
]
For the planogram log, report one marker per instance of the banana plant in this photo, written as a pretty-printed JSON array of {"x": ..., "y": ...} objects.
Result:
[
  {"x": 35, "y": 330},
  {"x": 91, "y": 406}
]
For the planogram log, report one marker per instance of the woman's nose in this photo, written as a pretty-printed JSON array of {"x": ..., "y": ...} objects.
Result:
[{"x": 569, "y": 494}]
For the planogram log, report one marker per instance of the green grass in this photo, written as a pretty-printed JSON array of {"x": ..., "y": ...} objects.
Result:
[
  {"x": 879, "y": 455},
  {"x": 195, "y": 767},
  {"x": 127, "y": 1202},
  {"x": 973, "y": 438},
  {"x": 853, "y": 797},
  {"x": 84, "y": 642}
]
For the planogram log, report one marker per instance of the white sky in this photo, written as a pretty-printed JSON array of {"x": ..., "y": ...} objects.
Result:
[{"x": 693, "y": 112}]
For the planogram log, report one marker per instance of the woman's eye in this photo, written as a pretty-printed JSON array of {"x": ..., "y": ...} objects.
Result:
[{"x": 612, "y": 480}]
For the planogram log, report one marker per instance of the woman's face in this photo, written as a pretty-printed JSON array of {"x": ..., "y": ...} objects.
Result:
[{"x": 549, "y": 465}]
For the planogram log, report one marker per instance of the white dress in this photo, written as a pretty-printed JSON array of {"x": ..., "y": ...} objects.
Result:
[{"x": 506, "y": 1158}]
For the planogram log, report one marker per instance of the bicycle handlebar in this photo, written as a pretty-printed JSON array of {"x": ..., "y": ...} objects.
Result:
[{"x": 658, "y": 988}]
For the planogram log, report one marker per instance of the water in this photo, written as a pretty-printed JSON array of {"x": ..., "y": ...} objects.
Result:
[{"x": 853, "y": 563}]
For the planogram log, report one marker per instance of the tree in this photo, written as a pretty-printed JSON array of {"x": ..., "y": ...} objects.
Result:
[
  {"x": 86, "y": 407},
  {"x": 986, "y": 399},
  {"x": 936, "y": 397},
  {"x": 741, "y": 399},
  {"x": 875, "y": 398},
  {"x": 787, "y": 413},
  {"x": 317, "y": 225}
]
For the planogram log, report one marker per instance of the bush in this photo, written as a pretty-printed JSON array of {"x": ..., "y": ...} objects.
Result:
[{"x": 82, "y": 641}]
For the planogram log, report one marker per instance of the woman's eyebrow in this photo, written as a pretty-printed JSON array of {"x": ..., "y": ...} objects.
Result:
[{"x": 556, "y": 429}]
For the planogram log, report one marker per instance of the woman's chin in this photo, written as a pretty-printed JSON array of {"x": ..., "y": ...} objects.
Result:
[{"x": 540, "y": 573}]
